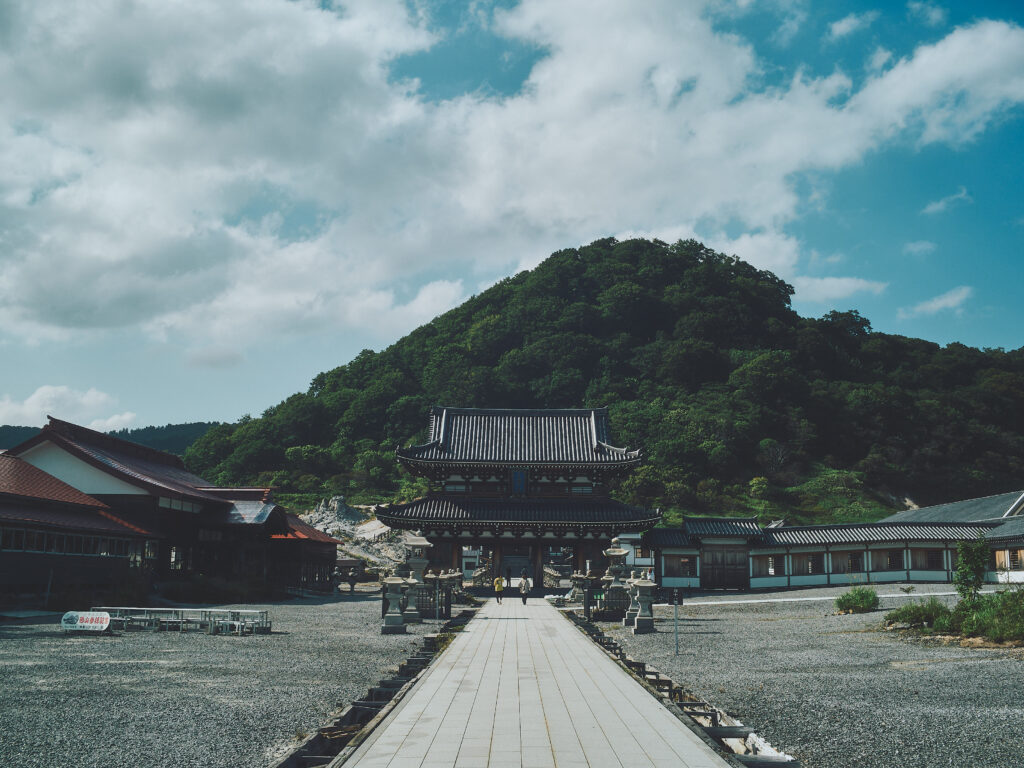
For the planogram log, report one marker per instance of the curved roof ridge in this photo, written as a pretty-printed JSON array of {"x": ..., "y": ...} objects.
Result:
[{"x": 524, "y": 436}]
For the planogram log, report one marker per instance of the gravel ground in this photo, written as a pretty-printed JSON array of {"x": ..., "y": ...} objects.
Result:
[
  {"x": 171, "y": 699},
  {"x": 833, "y": 691}
]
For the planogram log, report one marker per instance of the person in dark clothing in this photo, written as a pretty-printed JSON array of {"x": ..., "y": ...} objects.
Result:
[
  {"x": 508, "y": 577},
  {"x": 524, "y": 588}
]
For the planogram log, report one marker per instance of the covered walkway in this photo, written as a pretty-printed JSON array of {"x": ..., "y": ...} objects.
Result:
[{"x": 521, "y": 687}]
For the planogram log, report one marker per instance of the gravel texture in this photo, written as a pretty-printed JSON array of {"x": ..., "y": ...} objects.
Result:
[
  {"x": 837, "y": 691},
  {"x": 172, "y": 699}
]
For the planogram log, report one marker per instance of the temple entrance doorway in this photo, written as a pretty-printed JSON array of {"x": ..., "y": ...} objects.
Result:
[
  {"x": 723, "y": 567},
  {"x": 515, "y": 560}
]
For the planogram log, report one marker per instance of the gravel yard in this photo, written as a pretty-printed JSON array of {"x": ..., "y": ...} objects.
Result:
[
  {"x": 833, "y": 692},
  {"x": 172, "y": 699}
]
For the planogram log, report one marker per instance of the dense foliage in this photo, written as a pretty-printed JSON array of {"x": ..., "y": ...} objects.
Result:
[
  {"x": 972, "y": 558},
  {"x": 918, "y": 614},
  {"x": 739, "y": 404},
  {"x": 858, "y": 600},
  {"x": 173, "y": 438},
  {"x": 10, "y": 436},
  {"x": 998, "y": 616}
]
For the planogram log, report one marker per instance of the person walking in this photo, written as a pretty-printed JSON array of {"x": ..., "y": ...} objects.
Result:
[
  {"x": 499, "y": 586},
  {"x": 508, "y": 577},
  {"x": 524, "y": 588}
]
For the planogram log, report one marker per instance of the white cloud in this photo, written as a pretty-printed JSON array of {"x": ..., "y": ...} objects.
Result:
[
  {"x": 826, "y": 289},
  {"x": 938, "y": 206},
  {"x": 953, "y": 300},
  {"x": 928, "y": 13},
  {"x": 91, "y": 406},
  {"x": 216, "y": 177},
  {"x": 879, "y": 59},
  {"x": 850, "y": 24},
  {"x": 919, "y": 247},
  {"x": 117, "y": 421}
]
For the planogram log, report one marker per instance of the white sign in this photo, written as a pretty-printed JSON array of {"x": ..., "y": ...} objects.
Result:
[{"x": 89, "y": 621}]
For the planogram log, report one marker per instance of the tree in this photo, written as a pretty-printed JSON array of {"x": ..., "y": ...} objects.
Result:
[{"x": 971, "y": 563}]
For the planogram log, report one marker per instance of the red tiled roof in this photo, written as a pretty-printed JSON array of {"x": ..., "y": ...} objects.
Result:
[
  {"x": 19, "y": 478},
  {"x": 66, "y": 517},
  {"x": 297, "y": 529}
]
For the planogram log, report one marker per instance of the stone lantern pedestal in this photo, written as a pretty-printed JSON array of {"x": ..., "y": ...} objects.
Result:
[
  {"x": 644, "y": 621},
  {"x": 430, "y": 603},
  {"x": 417, "y": 562},
  {"x": 634, "y": 606},
  {"x": 411, "y": 614},
  {"x": 393, "y": 622},
  {"x": 579, "y": 582}
]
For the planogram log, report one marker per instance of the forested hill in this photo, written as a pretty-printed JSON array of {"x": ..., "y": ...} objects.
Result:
[
  {"x": 740, "y": 405},
  {"x": 173, "y": 438}
]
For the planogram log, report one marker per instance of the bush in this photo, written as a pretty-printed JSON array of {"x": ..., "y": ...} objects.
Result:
[
  {"x": 858, "y": 600},
  {"x": 919, "y": 614},
  {"x": 998, "y": 617}
]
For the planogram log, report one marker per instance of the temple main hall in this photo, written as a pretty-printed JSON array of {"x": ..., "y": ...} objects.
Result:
[{"x": 517, "y": 488}]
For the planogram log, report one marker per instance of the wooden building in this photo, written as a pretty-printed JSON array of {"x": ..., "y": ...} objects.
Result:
[
  {"x": 53, "y": 536},
  {"x": 517, "y": 487},
  {"x": 916, "y": 545},
  {"x": 193, "y": 525}
]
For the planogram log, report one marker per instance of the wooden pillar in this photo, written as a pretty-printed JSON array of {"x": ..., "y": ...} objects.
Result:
[
  {"x": 456, "y": 561},
  {"x": 578, "y": 561},
  {"x": 496, "y": 560}
]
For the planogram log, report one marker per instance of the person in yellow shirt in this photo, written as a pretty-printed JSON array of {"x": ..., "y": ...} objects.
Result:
[{"x": 499, "y": 586}]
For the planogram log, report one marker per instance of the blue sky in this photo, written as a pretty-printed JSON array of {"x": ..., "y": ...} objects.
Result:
[{"x": 203, "y": 206}]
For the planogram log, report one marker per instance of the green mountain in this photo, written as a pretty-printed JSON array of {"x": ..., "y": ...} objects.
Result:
[
  {"x": 173, "y": 438},
  {"x": 11, "y": 436},
  {"x": 741, "y": 405}
]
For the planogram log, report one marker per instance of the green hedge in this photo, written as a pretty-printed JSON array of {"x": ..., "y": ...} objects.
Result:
[{"x": 858, "y": 600}]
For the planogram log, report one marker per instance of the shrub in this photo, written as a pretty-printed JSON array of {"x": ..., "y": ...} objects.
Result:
[
  {"x": 998, "y": 617},
  {"x": 919, "y": 614},
  {"x": 858, "y": 600},
  {"x": 971, "y": 564}
]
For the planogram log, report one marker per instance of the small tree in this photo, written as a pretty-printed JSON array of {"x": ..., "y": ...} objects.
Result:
[{"x": 971, "y": 564}]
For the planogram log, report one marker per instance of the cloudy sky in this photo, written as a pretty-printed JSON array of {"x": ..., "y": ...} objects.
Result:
[{"x": 204, "y": 204}]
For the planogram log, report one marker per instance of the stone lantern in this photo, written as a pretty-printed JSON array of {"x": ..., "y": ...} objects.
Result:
[
  {"x": 431, "y": 591},
  {"x": 644, "y": 621},
  {"x": 393, "y": 622},
  {"x": 411, "y": 614},
  {"x": 418, "y": 547},
  {"x": 579, "y": 582},
  {"x": 615, "y": 597}
]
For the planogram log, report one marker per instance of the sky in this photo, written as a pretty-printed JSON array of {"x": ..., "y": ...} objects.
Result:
[{"x": 203, "y": 205}]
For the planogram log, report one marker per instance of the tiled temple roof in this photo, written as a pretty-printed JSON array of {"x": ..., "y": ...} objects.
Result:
[
  {"x": 563, "y": 513},
  {"x": 1010, "y": 530},
  {"x": 21, "y": 479},
  {"x": 299, "y": 529},
  {"x": 163, "y": 473},
  {"x": 967, "y": 511},
  {"x": 68, "y": 519},
  {"x": 871, "y": 533},
  {"x": 525, "y": 437},
  {"x": 721, "y": 526},
  {"x": 665, "y": 538}
]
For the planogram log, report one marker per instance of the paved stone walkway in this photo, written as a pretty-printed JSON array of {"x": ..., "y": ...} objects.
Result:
[{"x": 521, "y": 687}]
